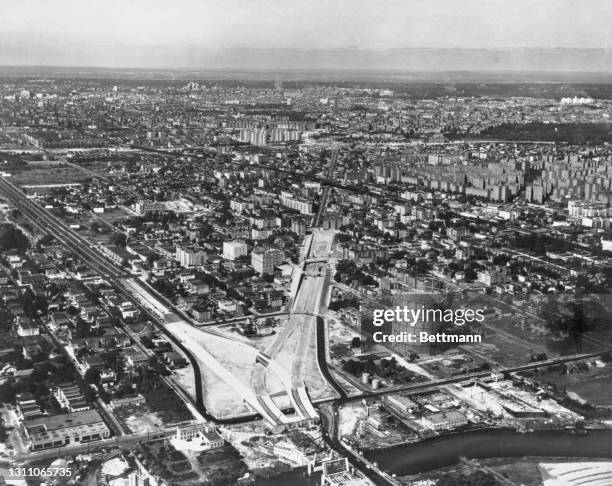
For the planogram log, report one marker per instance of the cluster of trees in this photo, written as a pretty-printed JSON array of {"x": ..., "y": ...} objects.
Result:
[
  {"x": 147, "y": 342},
  {"x": 113, "y": 360},
  {"x": 572, "y": 133},
  {"x": 12, "y": 238},
  {"x": 143, "y": 379},
  {"x": 575, "y": 317},
  {"x": 597, "y": 281},
  {"x": 472, "y": 478},
  {"x": 33, "y": 304},
  {"x": 118, "y": 239},
  {"x": 161, "y": 399},
  {"x": 98, "y": 227},
  {"x": 164, "y": 287},
  {"x": 167, "y": 462},
  {"x": 46, "y": 240},
  {"x": 242, "y": 274},
  {"x": 45, "y": 375},
  {"x": 156, "y": 463},
  {"x": 221, "y": 477},
  {"x": 83, "y": 330},
  {"x": 344, "y": 303},
  {"x": 384, "y": 368},
  {"x": 347, "y": 272},
  {"x": 540, "y": 244},
  {"x": 469, "y": 269}
]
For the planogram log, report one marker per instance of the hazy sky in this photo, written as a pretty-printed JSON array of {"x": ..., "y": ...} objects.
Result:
[{"x": 95, "y": 32}]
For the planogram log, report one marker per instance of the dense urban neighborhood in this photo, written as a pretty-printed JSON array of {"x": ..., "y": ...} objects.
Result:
[{"x": 220, "y": 279}]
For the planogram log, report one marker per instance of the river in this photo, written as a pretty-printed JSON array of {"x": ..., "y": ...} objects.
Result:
[{"x": 446, "y": 451}]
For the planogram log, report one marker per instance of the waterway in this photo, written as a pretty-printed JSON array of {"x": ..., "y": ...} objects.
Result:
[{"x": 446, "y": 451}]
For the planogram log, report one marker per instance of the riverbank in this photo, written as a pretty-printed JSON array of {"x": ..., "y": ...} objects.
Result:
[
  {"x": 447, "y": 450},
  {"x": 295, "y": 477}
]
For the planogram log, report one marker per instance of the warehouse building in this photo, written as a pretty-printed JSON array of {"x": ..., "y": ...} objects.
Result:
[{"x": 65, "y": 429}]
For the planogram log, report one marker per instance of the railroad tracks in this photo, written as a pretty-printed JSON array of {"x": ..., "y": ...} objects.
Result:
[{"x": 48, "y": 223}]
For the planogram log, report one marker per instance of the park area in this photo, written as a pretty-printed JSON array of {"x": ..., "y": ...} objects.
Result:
[{"x": 189, "y": 468}]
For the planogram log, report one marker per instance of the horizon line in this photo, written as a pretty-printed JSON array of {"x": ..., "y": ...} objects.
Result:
[{"x": 304, "y": 69}]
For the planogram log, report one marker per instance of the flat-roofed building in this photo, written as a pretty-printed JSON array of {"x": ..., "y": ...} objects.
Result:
[
  {"x": 190, "y": 256},
  {"x": 27, "y": 408},
  {"x": 234, "y": 249},
  {"x": 129, "y": 401},
  {"x": 27, "y": 327},
  {"x": 265, "y": 259},
  {"x": 401, "y": 403},
  {"x": 444, "y": 420},
  {"x": 65, "y": 429},
  {"x": 70, "y": 398},
  {"x": 205, "y": 434}
]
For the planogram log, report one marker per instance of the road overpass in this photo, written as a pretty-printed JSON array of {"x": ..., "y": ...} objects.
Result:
[
  {"x": 318, "y": 219},
  {"x": 468, "y": 377},
  {"x": 295, "y": 345},
  {"x": 188, "y": 336}
]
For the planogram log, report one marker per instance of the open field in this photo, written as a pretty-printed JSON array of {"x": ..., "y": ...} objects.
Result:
[
  {"x": 140, "y": 419},
  {"x": 500, "y": 348},
  {"x": 259, "y": 342},
  {"x": 220, "y": 398},
  {"x": 186, "y": 380},
  {"x": 114, "y": 214},
  {"x": 232, "y": 359},
  {"x": 236, "y": 356},
  {"x": 596, "y": 391},
  {"x": 524, "y": 330},
  {"x": 339, "y": 333},
  {"x": 593, "y": 385},
  {"x": 48, "y": 174}
]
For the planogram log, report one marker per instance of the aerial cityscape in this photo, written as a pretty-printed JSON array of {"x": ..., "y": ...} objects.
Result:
[{"x": 304, "y": 276}]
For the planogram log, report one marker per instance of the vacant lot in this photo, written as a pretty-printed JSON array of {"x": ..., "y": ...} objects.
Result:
[
  {"x": 596, "y": 391},
  {"x": 140, "y": 419},
  {"x": 594, "y": 385},
  {"x": 47, "y": 174}
]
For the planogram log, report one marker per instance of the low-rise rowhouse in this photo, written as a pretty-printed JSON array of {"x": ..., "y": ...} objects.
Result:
[
  {"x": 117, "y": 254},
  {"x": 27, "y": 408},
  {"x": 70, "y": 398},
  {"x": 128, "y": 401},
  {"x": 65, "y": 429}
]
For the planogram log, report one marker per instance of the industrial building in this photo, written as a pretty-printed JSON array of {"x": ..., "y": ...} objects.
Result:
[{"x": 65, "y": 429}]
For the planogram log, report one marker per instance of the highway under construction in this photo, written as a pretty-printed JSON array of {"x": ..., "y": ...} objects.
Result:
[{"x": 308, "y": 297}]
